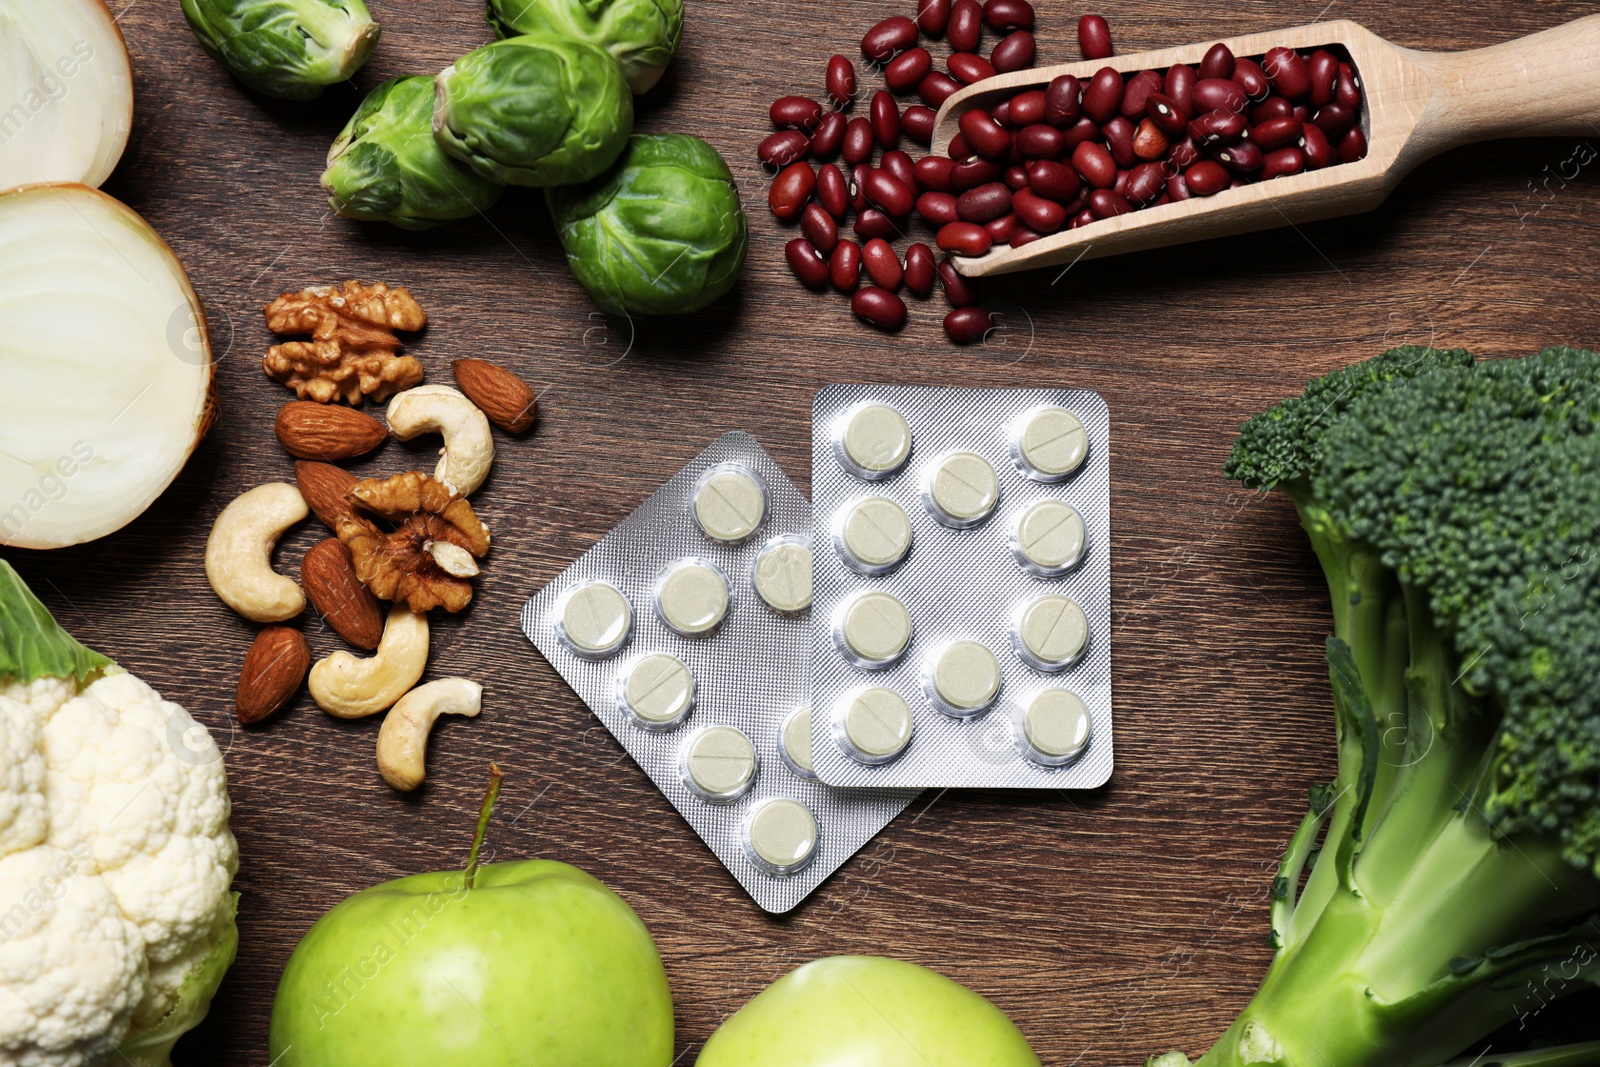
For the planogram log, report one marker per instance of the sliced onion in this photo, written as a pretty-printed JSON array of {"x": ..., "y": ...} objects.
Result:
[
  {"x": 105, "y": 366},
  {"x": 66, "y": 92}
]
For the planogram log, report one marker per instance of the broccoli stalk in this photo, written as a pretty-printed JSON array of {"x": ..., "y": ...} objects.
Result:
[{"x": 1445, "y": 883}]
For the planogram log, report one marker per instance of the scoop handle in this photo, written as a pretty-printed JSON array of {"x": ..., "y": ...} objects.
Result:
[{"x": 1544, "y": 85}]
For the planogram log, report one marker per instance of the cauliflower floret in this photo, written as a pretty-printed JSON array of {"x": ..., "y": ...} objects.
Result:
[{"x": 24, "y": 814}]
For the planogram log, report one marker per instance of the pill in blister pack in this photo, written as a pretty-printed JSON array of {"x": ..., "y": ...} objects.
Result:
[
  {"x": 687, "y": 631},
  {"x": 963, "y": 588}
]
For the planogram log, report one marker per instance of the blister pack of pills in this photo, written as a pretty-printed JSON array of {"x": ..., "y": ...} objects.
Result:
[
  {"x": 962, "y": 633},
  {"x": 687, "y": 631}
]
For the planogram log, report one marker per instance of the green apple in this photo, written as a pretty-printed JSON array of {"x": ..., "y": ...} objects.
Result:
[
  {"x": 867, "y": 1011},
  {"x": 503, "y": 965}
]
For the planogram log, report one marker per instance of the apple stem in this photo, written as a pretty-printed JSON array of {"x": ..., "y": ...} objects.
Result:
[{"x": 484, "y": 814}]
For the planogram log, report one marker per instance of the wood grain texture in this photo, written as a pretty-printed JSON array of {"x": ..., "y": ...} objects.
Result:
[{"x": 1110, "y": 925}]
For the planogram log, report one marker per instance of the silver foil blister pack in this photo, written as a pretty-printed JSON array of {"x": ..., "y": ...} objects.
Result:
[
  {"x": 687, "y": 631},
  {"x": 962, "y": 582}
]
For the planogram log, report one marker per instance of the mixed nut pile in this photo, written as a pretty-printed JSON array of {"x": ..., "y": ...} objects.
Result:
[
  {"x": 1043, "y": 160},
  {"x": 411, "y": 539}
]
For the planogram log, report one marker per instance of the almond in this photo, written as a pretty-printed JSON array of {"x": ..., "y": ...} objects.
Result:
[
  {"x": 324, "y": 487},
  {"x": 309, "y": 430},
  {"x": 330, "y": 582},
  {"x": 502, "y": 396},
  {"x": 273, "y": 670}
]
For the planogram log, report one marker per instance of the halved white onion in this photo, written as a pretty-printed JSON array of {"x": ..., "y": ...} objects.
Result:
[
  {"x": 66, "y": 92},
  {"x": 105, "y": 366}
]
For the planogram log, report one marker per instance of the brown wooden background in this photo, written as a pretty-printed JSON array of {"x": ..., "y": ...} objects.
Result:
[{"x": 1109, "y": 925}]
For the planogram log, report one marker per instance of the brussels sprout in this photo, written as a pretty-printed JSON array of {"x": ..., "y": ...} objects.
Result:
[
  {"x": 642, "y": 34},
  {"x": 386, "y": 166},
  {"x": 661, "y": 232},
  {"x": 289, "y": 49},
  {"x": 534, "y": 110}
]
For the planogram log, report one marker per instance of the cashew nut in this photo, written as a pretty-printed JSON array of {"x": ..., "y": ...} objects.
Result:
[
  {"x": 239, "y": 553},
  {"x": 468, "y": 446},
  {"x": 403, "y": 740},
  {"x": 352, "y": 688}
]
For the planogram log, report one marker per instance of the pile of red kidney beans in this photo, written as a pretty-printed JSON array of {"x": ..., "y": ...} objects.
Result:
[{"x": 1064, "y": 156}]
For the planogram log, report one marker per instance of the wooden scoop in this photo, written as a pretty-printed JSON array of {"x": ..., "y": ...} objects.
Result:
[{"x": 1415, "y": 105}]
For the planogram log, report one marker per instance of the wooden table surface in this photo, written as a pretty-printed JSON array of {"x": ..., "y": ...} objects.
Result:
[{"x": 1110, "y": 924}]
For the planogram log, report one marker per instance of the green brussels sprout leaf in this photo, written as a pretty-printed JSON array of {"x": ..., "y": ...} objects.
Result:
[
  {"x": 643, "y": 35},
  {"x": 289, "y": 49}
]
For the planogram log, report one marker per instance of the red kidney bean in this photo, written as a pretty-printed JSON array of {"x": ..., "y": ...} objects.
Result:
[
  {"x": 1053, "y": 181},
  {"x": 887, "y": 193},
  {"x": 1240, "y": 157},
  {"x": 936, "y": 88},
  {"x": 919, "y": 269},
  {"x": 1218, "y": 127},
  {"x": 795, "y": 113},
  {"x": 857, "y": 147},
  {"x": 1218, "y": 62},
  {"x": 1315, "y": 144},
  {"x": 984, "y": 203},
  {"x": 1217, "y": 94},
  {"x": 957, "y": 288},
  {"x": 807, "y": 263},
  {"x": 1353, "y": 146},
  {"x": 933, "y": 173},
  {"x": 1248, "y": 75},
  {"x": 1333, "y": 120},
  {"x": 1028, "y": 108},
  {"x": 844, "y": 266},
  {"x": 984, "y": 134},
  {"x": 1040, "y": 141},
  {"x": 1282, "y": 161},
  {"x": 1288, "y": 73},
  {"x": 1016, "y": 178},
  {"x": 1036, "y": 213},
  {"x": 782, "y": 149},
  {"x": 1105, "y": 203},
  {"x": 968, "y": 324},
  {"x": 1183, "y": 153},
  {"x": 1014, "y": 52},
  {"x": 841, "y": 81},
  {"x": 1061, "y": 101},
  {"x": 819, "y": 228},
  {"x": 1121, "y": 185},
  {"x": 881, "y": 264},
  {"x": 933, "y": 16},
  {"x": 858, "y": 187},
  {"x": 1094, "y": 163},
  {"x": 1323, "y": 70},
  {"x": 1347, "y": 91},
  {"x": 1081, "y": 131},
  {"x": 833, "y": 193},
  {"x": 1023, "y": 236},
  {"x": 885, "y": 118},
  {"x": 1239, "y": 181},
  {"x": 973, "y": 172},
  {"x": 1206, "y": 178},
  {"x": 1136, "y": 96},
  {"x": 1082, "y": 218},
  {"x": 1301, "y": 112},
  {"x": 1001, "y": 229},
  {"x": 829, "y": 138},
  {"x": 1146, "y": 182},
  {"x": 938, "y": 208},
  {"x": 1001, "y": 113},
  {"x": 964, "y": 238},
  {"x": 1274, "y": 134},
  {"x": 969, "y": 68},
  {"x": 917, "y": 122},
  {"x": 880, "y": 308},
  {"x": 1273, "y": 107},
  {"x": 905, "y": 71},
  {"x": 1177, "y": 188},
  {"x": 966, "y": 26},
  {"x": 1094, "y": 37},
  {"x": 900, "y": 167},
  {"x": 892, "y": 35},
  {"x": 1102, "y": 97},
  {"x": 1179, "y": 86},
  {"x": 791, "y": 189},
  {"x": 1149, "y": 141},
  {"x": 959, "y": 148},
  {"x": 1119, "y": 138},
  {"x": 1003, "y": 16},
  {"x": 1168, "y": 115}
]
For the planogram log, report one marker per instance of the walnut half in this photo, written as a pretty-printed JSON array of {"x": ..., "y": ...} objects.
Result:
[
  {"x": 428, "y": 560},
  {"x": 354, "y": 352}
]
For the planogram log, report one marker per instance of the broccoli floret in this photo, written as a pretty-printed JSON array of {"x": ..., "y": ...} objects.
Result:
[{"x": 1455, "y": 509}]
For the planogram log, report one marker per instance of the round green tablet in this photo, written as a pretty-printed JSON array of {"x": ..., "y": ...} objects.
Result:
[
  {"x": 875, "y": 534},
  {"x": 875, "y": 628},
  {"x": 780, "y": 836},
  {"x": 1056, "y": 727},
  {"x": 782, "y": 574},
  {"x": 966, "y": 677},
  {"x": 795, "y": 742},
  {"x": 875, "y": 441},
  {"x": 1052, "y": 632},
  {"x": 719, "y": 763},
  {"x": 595, "y": 619},
  {"x": 874, "y": 725},
  {"x": 729, "y": 503},
  {"x": 659, "y": 690},
  {"x": 1050, "y": 538},
  {"x": 1052, "y": 443},
  {"x": 692, "y": 598},
  {"x": 963, "y": 489}
]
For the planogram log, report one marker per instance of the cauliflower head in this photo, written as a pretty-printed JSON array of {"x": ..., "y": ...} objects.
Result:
[{"x": 116, "y": 862}]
